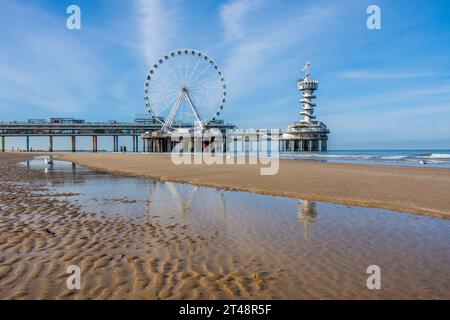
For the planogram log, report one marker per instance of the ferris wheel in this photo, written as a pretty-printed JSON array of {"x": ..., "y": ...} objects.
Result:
[{"x": 184, "y": 88}]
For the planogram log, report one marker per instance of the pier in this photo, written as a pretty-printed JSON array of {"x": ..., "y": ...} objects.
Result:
[
  {"x": 74, "y": 128},
  {"x": 160, "y": 134}
]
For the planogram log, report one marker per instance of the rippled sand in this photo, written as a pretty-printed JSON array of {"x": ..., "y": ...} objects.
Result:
[{"x": 140, "y": 239}]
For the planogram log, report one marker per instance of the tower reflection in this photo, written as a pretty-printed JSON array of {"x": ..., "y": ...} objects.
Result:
[{"x": 307, "y": 214}]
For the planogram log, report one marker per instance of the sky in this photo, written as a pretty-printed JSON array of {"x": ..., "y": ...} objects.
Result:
[{"x": 387, "y": 88}]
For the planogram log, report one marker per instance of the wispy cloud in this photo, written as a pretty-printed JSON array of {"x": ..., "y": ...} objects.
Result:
[
  {"x": 157, "y": 25},
  {"x": 233, "y": 14},
  {"x": 252, "y": 59},
  {"x": 25, "y": 75},
  {"x": 379, "y": 75},
  {"x": 403, "y": 100}
]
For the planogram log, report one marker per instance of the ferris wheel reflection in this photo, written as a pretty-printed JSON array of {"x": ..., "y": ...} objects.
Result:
[{"x": 187, "y": 201}]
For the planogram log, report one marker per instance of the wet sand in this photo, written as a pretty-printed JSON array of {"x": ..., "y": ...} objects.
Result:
[
  {"x": 410, "y": 189},
  {"x": 43, "y": 232},
  {"x": 141, "y": 239}
]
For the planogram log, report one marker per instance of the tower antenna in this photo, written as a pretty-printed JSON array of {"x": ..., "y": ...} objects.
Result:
[{"x": 307, "y": 70}]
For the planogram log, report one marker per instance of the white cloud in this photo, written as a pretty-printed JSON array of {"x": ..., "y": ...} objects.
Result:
[
  {"x": 157, "y": 26},
  {"x": 376, "y": 74},
  {"x": 232, "y": 15}
]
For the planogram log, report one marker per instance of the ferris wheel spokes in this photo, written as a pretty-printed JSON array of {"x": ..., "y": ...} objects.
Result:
[
  {"x": 183, "y": 95},
  {"x": 194, "y": 109},
  {"x": 172, "y": 113}
]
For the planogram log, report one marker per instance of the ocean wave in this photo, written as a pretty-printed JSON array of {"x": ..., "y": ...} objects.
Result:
[
  {"x": 435, "y": 156},
  {"x": 437, "y": 162},
  {"x": 340, "y": 156},
  {"x": 408, "y": 158},
  {"x": 393, "y": 157}
]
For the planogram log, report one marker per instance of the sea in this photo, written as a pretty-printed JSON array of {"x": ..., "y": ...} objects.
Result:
[{"x": 420, "y": 158}]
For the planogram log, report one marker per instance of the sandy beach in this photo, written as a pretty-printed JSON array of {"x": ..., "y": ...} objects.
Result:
[
  {"x": 43, "y": 232},
  {"x": 142, "y": 239},
  {"x": 410, "y": 189}
]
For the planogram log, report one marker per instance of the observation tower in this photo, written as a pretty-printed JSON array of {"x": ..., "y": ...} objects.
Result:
[{"x": 312, "y": 134}]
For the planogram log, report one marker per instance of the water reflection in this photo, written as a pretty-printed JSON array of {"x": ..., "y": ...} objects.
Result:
[
  {"x": 60, "y": 172},
  {"x": 307, "y": 214}
]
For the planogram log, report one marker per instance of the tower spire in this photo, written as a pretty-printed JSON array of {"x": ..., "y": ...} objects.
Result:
[{"x": 307, "y": 70}]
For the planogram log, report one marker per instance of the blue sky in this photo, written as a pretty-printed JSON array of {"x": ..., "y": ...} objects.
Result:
[{"x": 387, "y": 88}]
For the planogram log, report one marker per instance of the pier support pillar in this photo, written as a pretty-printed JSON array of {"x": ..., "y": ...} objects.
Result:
[
  {"x": 94, "y": 144},
  {"x": 246, "y": 145},
  {"x": 50, "y": 148},
  {"x": 28, "y": 143},
  {"x": 134, "y": 143},
  {"x": 323, "y": 145},
  {"x": 74, "y": 146},
  {"x": 116, "y": 143},
  {"x": 3, "y": 144},
  {"x": 185, "y": 144},
  {"x": 224, "y": 145}
]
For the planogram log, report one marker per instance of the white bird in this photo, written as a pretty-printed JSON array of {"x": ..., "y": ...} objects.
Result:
[
  {"x": 48, "y": 161},
  {"x": 423, "y": 162}
]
